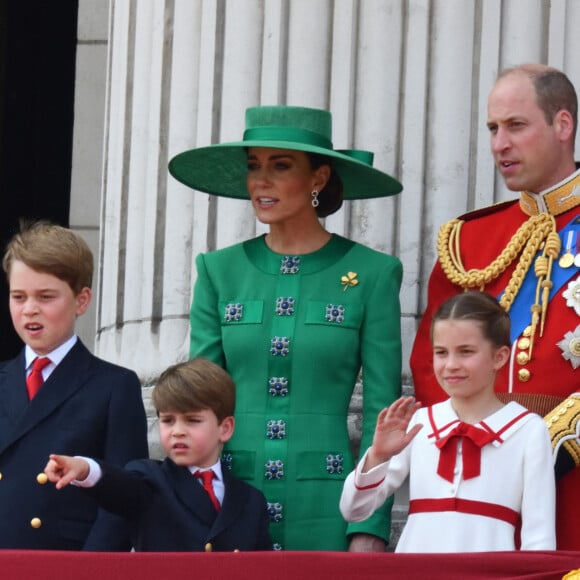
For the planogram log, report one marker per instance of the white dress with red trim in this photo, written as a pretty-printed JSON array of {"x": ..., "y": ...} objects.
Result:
[{"x": 469, "y": 485}]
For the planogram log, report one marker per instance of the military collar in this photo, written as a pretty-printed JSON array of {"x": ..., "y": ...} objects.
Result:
[{"x": 555, "y": 200}]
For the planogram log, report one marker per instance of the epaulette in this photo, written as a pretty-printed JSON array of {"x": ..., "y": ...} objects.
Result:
[
  {"x": 563, "y": 424},
  {"x": 484, "y": 211}
]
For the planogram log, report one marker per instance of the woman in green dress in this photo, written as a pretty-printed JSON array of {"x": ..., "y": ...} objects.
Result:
[{"x": 294, "y": 315}]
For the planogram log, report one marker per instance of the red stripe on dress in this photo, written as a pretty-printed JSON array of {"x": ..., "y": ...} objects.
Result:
[
  {"x": 465, "y": 506},
  {"x": 512, "y": 422},
  {"x": 437, "y": 432},
  {"x": 363, "y": 487},
  {"x": 371, "y": 486}
]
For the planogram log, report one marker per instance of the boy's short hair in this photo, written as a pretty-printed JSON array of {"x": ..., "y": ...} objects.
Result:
[
  {"x": 195, "y": 385},
  {"x": 52, "y": 249}
]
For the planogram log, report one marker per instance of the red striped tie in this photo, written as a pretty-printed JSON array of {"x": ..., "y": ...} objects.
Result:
[
  {"x": 206, "y": 479},
  {"x": 34, "y": 380}
]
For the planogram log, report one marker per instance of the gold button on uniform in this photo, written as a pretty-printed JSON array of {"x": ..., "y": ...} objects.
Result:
[
  {"x": 35, "y": 523},
  {"x": 42, "y": 478},
  {"x": 524, "y": 343},
  {"x": 523, "y": 357},
  {"x": 524, "y": 375},
  {"x": 527, "y": 331}
]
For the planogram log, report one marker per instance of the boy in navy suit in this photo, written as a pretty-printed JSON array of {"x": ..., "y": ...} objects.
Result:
[
  {"x": 165, "y": 502},
  {"x": 57, "y": 396}
]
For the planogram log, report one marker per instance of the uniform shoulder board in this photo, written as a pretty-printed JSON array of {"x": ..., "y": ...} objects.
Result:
[{"x": 484, "y": 211}]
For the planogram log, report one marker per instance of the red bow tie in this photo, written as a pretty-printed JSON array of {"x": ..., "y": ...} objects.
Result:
[{"x": 473, "y": 440}]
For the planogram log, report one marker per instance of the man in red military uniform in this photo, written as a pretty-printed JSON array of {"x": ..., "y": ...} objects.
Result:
[{"x": 526, "y": 252}]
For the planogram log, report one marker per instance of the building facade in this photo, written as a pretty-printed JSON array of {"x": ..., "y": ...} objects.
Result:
[{"x": 407, "y": 79}]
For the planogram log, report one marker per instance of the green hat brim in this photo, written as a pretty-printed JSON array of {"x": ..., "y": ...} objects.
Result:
[{"x": 221, "y": 169}]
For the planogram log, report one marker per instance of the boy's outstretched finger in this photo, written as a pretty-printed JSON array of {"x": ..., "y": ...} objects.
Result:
[
  {"x": 51, "y": 469},
  {"x": 57, "y": 471}
]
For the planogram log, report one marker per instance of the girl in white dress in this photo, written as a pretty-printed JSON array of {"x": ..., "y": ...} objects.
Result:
[{"x": 480, "y": 472}]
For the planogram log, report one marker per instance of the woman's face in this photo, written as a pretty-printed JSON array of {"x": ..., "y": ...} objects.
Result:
[{"x": 280, "y": 182}]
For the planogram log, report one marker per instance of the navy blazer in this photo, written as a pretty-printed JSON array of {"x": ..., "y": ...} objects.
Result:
[
  {"x": 86, "y": 407},
  {"x": 169, "y": 511}
]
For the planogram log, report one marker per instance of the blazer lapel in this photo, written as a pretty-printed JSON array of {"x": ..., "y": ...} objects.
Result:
[
  {"x": 13, "y": 396},
  {"x": 66, "y": 379},
  {"x": 190, "y": 493},
  {"x": 234, "y": 501}
]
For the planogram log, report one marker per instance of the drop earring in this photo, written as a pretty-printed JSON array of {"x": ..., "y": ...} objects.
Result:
[{"x": 314, "y": 195}]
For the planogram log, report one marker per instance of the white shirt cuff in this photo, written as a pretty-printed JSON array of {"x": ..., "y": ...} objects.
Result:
[{"x": 95, "y": 473}]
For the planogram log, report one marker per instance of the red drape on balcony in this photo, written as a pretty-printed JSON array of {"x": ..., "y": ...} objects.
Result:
[{"x": 25, "y": 565}]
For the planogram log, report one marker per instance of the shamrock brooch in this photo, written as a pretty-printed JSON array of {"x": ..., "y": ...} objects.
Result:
[{"x": 349, "y": 280}]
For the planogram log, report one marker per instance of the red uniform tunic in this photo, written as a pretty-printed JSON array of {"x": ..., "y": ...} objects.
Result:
[{"x": 551, "y": 370}]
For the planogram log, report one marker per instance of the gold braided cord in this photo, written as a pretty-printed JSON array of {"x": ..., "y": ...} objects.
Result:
[
  {"x": 539, "y": 231},
  {"x": 525, "y": 243},
  {"x": 551, "y": 251}
]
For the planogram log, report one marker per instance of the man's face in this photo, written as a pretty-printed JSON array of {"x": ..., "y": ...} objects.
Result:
[{"x": 530, "y": 154}]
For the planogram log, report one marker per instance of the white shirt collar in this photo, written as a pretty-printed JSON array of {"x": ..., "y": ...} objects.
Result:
[
  {"x": 216, "y": 468},
  {"x": 55, "y": 356}
]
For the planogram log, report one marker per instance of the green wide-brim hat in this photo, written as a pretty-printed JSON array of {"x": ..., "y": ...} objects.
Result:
[{"x": 221, "y": 169}]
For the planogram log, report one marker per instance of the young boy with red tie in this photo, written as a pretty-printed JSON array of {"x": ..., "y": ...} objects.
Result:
[
  {"x": 189, "y": 501},
  {"x": 56, "y": 395}
]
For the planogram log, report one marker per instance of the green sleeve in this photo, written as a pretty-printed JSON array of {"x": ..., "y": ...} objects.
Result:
[
  {"x": 205, "y": 327},
  {"x": 381, "y": 356}
]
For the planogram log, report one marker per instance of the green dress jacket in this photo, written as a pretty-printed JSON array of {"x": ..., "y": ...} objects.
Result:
[{"x": 294, "y": 332}]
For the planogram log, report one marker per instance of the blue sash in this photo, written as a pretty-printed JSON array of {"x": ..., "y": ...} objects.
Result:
[{"x": 520, "y": 311}]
